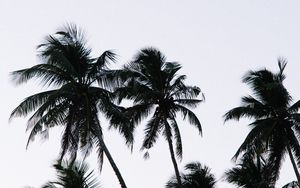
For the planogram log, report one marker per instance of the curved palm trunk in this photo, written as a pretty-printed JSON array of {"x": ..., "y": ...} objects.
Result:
[
  {"x": 108, "y": 155},
  {"x": 173, "y": 158},
  {"x": 103, "y": 146},
  {"x": 293, "y": 162},
  {"x": 112, "y": 163}
]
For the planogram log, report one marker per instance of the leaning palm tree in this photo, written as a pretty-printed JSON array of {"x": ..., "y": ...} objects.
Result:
[
  {"x": 153, "y": 84},
  {"x": 73, "y": 175},
  {"x": 81, "y": 88},
  {"x": 197, "y": 176},
  {"x": 276, "y": 120}
]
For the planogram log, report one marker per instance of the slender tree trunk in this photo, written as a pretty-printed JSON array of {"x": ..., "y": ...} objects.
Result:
[
  {"x": 293, "y": 163},
  {"x": 173, "y": 158},
  {"x": 112, "y": 163},
  {"x": 101, "y": 141},
  {"x": 108, "y": 155}
]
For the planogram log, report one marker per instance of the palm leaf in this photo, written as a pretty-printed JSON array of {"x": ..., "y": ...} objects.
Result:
[
  {"x": 260, "y": 132},
  {"x": 295, "y": 107},
  {"x": 31, "y": 103},
  {"x": 244, "y": 111},
  {"x": 153, "y": 127},
  {"x": 177, "y": 137},
  {"x": 192, "y": 103},
  {"x": 48, "y": 74},
  {"x": 190, "y": 116}
]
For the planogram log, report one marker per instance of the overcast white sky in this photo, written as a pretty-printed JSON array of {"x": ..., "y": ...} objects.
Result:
[{"x": 216, "y": 41}]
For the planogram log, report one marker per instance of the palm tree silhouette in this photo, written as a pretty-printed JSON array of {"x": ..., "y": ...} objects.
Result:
[
  {"x": 74, "y": 175},
  {"x": 152, "y": 83},
  {"x": 81, "y": 89},
  {"x": 197, "y": 176},
  {"x": 276, "y": 120}
]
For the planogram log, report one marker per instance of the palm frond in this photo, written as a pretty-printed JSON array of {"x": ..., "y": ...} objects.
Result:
[
  {"x": 31, "y": 103},
  {"x": 153, "y": 127},
  {"x": 195, "y": 175},
  {"x": 49, "y": 185},
  {"x": 176, "y": 82},
  {"x": 186, "y": 92},
  {"x": 67, "y": 139},
  {"x": 58, "y": 54},
  {"x": 138, "y": 112},
  {"x": 260, "y": 132},
  {"x": 282, "y": 62},
  {"x": 277, "y": 150},
  {"x": 295, "y": 107},
  {"x": 41, "y": 123},
  {"x": 293, "y": 184},
  {"x": 100, "y": 71},
  {"x": 118, "y": 119},
  {"x": 294, "y": 144},
  {"x": 177, "y": 137},
  {"x": 243, "y": 111},
  {"x": 137, "y": 92},
  {"x": 103, "y": 60},
  {"x": 268, "y": 87},
  {"x": 192, "y": 103},
  {"x": 48, "y": 74},
  {"x": 171, "y": 68},
  {"x": 73, "y": 175},
  {"x": 254, "y": 103},
  {"x": 71, "y": 32},
  {"x": 193, "y": 119}
]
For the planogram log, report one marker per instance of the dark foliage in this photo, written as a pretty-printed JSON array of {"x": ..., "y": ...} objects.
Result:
[
  {"x": 195, "y": 176},
  {"x": 276, "y": 119}
]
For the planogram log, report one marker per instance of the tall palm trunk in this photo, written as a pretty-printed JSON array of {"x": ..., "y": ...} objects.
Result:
[
  {"x": 102, "y": 144},
  {"x": 112, "y": 162},
  {"x": 293, "y": 162},
  {"x": 173, "y": 156},
  {"x": 108, "y": 155}
]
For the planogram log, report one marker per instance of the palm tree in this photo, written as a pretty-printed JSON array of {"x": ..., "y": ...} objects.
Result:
[
  {"x": 152, "y": 83},
  {"x": 276, "y": 120},
  {"x": 81, "y": 88},
  {"x": 74, "y": 175},
  {"x": 197, "y": 176},
  {"x": 251, "y": 172}
]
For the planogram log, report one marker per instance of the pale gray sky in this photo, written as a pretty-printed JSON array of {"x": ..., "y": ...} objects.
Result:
[{"x": 216, "y": 41}]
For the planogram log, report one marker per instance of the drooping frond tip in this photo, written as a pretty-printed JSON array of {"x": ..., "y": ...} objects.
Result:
[
  {"x": 72, "y": 31},
  {"x": 282, "y": 62}
]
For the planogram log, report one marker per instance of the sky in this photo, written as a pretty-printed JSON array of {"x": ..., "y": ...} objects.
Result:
[{"x": 216, "y": 42}]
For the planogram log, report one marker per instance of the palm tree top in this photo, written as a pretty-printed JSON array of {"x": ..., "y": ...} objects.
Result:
[
  {"x": 73, "y": 175},
  {"x": 158, "y": 91},
  {"x": 268, "y": 93},
  {"x": 65, "y": 57},
  {"x": 153, "y": 84},
  {"x": 151, "y": 67},
  {"x": 195, "y": 175},
  {"x": 264, "y": 83}
]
